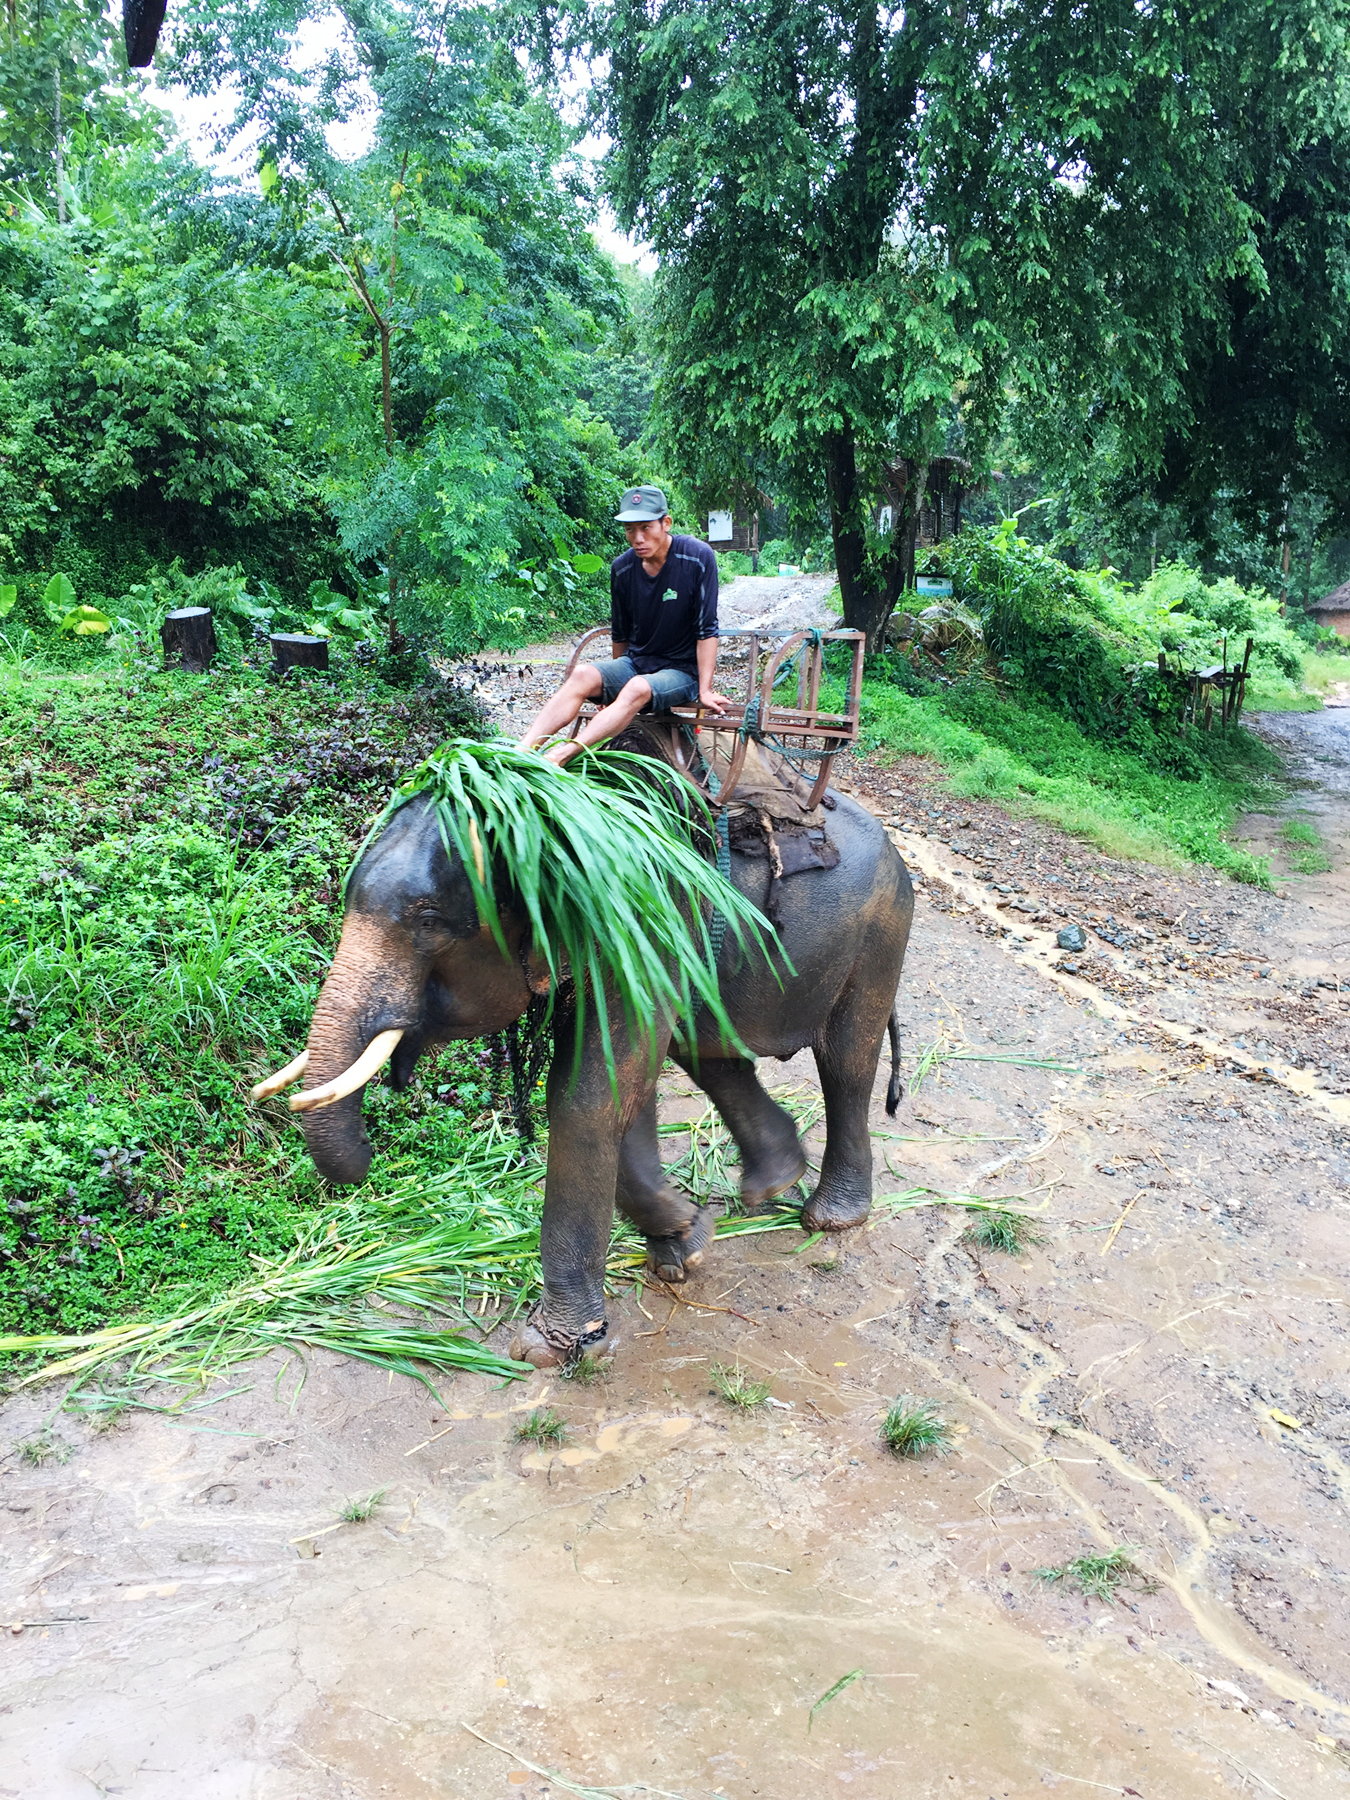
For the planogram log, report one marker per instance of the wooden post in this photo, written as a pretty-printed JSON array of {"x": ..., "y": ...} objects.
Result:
[
  {"x": 189, "y": 638},
  {"x": 1242, "y": 680},
  {"x": 291, "y": 650}
]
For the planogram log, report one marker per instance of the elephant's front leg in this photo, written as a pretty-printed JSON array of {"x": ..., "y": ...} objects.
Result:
[
  {"x": 583, "y": 1161},
  {"x": 677, "y": 1231},
  {"x": 588, "y": 1114}
]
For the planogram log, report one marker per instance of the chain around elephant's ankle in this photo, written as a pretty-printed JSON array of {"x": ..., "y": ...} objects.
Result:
[{"x": 560, "y": 1341}]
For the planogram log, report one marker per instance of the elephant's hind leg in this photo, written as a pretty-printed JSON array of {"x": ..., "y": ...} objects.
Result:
[
  {"x": 677, "y": 1231},
  {"x": 772, "y": 1158},
  {"x": 846, "y": 1056}
]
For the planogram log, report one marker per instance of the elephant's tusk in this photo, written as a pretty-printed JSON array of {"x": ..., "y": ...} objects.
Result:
[
  {"x": 373, "y": 1058},
  {"x": 283, "y": 1077}
]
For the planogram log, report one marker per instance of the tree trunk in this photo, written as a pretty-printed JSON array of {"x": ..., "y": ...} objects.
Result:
[
  {"x": 1284, "y": 573},
  {"x": 189, "y": 638},
  {"x": 870, "y": 598},
  {"x": 291, "y": 650},
  {"x": 866, "y": 606}
]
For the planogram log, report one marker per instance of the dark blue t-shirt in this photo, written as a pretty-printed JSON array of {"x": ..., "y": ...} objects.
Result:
[{"x": 662, "y": 620}]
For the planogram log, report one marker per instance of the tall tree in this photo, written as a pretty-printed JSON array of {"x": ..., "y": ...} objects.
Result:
[
  {"x": 869, "y": 217},
  {"x": 63, "y": 75},
  {"x": 459, "y": 236}
]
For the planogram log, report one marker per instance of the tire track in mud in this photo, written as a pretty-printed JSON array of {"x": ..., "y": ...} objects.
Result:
[
  {"x": 1036, "y": 955},
  {"x": 943, "y": 1270}
]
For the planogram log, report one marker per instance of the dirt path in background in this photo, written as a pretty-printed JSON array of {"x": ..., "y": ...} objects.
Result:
[{"x": 657, "y": 1608}]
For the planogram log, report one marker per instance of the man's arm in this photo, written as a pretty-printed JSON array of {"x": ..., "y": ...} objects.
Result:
[
  {"x": 620, "y": 625},
  {"x": 707, "y": 669},
  {"x": 616, "y": 649},
  {"x": 706, "y": 653}
]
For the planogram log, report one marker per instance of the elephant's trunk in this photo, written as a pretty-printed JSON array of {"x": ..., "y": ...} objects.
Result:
[{"x": 369, "y": 990}]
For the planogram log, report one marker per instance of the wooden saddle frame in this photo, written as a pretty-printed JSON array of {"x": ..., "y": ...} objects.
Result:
[{"x": 800, "y": 731}]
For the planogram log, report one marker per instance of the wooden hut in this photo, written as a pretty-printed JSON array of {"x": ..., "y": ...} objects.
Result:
[
  {"x": 729, "y": 528},
  {"x": 1334, "y": 611}
]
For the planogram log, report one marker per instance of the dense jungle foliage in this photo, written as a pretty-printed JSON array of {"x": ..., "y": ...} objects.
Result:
[{"x": 385, "y": 387}]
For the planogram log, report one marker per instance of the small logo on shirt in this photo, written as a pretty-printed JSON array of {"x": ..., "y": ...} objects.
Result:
[{"x": 670, "y": 594}]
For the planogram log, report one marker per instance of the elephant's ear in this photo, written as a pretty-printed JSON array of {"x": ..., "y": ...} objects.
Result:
[{"x": 537, "y": 977}]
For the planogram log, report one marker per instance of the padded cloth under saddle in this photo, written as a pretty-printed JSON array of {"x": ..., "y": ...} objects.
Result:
[{"x": 768, "y": 815}]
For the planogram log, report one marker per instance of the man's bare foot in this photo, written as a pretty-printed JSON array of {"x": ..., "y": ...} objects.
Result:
[{"x": 562, "y": 754}]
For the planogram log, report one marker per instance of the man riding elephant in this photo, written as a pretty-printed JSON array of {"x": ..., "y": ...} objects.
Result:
[{"x": 663, "y": 626}]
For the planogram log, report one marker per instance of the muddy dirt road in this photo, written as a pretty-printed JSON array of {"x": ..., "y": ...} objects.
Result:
[{"x": 657, "y": 1607}]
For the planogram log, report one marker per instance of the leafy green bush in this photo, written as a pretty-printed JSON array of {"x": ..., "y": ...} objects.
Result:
[
  {"x": 1202, "y": 615},
  {"x": 173, "y": 848},
  {"x": 1089, "y": 644}
]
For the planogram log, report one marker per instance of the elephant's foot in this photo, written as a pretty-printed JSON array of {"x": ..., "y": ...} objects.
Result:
[
  {"x": 836, "y": 1207},
  {"x": 548, "y": 1346},
  {"x": 658, "y": 1212},
  {"x": 766, "y": 1178},
  {"x": 670, "y": 1258}
]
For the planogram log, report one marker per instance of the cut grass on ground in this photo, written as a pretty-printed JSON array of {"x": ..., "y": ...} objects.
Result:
[{"x": 1099, "y": 1577}]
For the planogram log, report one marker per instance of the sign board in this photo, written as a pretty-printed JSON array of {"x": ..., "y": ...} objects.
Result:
[
  {"x": 719, "y": 527},
  {"x": 933, "y": 587},
  {"x": 885, "y": 519}
]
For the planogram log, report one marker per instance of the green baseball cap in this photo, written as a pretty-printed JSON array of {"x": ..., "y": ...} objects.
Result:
[{"x": 640, "y": 504}]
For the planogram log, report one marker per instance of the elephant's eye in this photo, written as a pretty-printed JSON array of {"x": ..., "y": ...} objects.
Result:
[{"x": 428, "y": 917}]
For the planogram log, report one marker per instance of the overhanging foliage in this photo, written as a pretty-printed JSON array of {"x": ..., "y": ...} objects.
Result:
[{"x": 601, "y": 860}]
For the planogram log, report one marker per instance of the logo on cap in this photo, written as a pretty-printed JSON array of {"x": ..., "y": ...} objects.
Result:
[{"x": 632, "y": 499}]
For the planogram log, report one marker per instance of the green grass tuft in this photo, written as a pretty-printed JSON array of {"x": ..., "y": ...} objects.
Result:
[
  {"x": 42, "y": 1448},
  {"x": 543, "y": 1426},
  {"x": 1311, "y": 862},
  {"x": 1098, "y": 1577},
  {"x": 356, "y": 1512},
  {"x": 914, "y": 1427},
  {"x": 1012, "y": 1233},
  {"x": 587, "y": 1369},
  {"x": 1308, "y": 854},
  {"x": 734, "y": 1386}
]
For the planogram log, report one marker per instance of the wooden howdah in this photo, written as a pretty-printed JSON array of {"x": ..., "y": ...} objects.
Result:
[{"x": 796, "y": 725}]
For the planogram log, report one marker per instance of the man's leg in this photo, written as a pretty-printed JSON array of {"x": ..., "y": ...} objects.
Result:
[
  {"x": 583, "y": 684},
  {"x": 608, "y": 723}
]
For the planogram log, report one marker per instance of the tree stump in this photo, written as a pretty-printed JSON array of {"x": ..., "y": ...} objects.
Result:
[
  {"x": 189, "y": 638},
  {"x": 291, "y": 650}
]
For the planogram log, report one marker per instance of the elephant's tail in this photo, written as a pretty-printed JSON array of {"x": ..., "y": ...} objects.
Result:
[{"x": 896, "y": 1089}]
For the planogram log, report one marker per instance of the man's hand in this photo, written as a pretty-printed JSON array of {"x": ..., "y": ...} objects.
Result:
[{"x": 708, "y": 697}]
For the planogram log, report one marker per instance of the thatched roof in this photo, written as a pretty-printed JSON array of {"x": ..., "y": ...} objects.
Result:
[{"x": 1337, "y": 601}]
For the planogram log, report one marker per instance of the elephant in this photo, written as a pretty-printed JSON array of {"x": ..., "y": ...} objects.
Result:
[{"x": 415, "y": 968}]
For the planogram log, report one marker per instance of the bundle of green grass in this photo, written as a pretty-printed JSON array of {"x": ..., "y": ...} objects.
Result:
[{"x": 602, "y": 859}]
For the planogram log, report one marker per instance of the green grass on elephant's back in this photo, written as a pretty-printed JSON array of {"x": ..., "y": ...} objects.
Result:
[{"x": 171, "y": 854}]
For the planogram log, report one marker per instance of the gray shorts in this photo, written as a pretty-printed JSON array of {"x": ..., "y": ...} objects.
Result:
[{"x": 670, "y": 687}]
